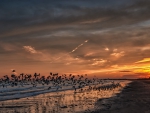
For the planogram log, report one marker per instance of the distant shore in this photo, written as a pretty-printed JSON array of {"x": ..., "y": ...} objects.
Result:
[{"x": 135, "y": 98}]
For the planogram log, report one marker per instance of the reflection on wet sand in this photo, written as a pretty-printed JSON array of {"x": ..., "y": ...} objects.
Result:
[{"x": 59, "y": 102}]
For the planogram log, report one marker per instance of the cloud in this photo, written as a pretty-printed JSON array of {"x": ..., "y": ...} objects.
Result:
[
  {"x": 143, "y": 75},
  {"x": 30, "y": 49},
  {"x": 75, "y": 49},
  {"x": 8, "y": 47},
  {"x": 147, "y": 47},
  {"x": 126, "y": 71},
  {"x": 118, "y": 54},
  {"x": 144, "y": 60},
  {"x": 115, "y": 50},
  {"x": 79, "y": 46},
  {"x": 50, "y": 15},
  {"x": 99, "y": 62},
  {"x": 114, "y": 66},
  {"x": 106, "y": 49},
  {"x": 89, "y": 54}
]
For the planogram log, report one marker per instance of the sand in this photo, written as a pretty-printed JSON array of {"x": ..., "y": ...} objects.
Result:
[{"x": 134, "y": 98}]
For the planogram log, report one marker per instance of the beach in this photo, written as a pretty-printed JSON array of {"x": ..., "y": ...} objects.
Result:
[
  {"x": 134, "y": 98},
  {"x": 62, "y": 101}
]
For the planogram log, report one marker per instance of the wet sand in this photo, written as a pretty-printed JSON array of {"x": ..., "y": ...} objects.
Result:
[
  {"x": 134, "y": 98},
  {"x": 66, "y": 101}
]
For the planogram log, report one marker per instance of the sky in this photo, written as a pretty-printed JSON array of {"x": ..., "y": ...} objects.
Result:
[{"x": 103, "y": 38}]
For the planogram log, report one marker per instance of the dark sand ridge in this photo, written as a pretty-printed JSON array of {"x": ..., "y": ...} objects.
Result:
[{"x": 135, "y": 98}]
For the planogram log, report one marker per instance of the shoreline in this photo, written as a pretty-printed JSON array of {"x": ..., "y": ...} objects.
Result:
[
  {"x": 60, "y": 102},
  {"x": 134, "y": 98},
  {"x": 28, "y": 91}
]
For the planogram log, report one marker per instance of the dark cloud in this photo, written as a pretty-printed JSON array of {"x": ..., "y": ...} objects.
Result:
[
  {"x": 31, "y": 14},
  {"x": 125, "y": 71}
]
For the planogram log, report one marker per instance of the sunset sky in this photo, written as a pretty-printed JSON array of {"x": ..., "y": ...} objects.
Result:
[{"x": 106, "y": 38}]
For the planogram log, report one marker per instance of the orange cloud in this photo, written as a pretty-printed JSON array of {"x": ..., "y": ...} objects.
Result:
[
  {"x": 30, "y": 49},
  {"x": 106, "y": 49},
  {"x": 118, "y": 54},
  {"x": 99, "y": 62},
  {"x": 144, "y": 60}
]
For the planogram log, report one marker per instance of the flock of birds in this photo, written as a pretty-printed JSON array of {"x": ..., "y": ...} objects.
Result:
[
  {"x": 81, "y": 85},
  {"x": 57, "y": 81}
]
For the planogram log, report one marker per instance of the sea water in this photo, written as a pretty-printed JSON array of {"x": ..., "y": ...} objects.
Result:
[{"x": 64, "y": 101}]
